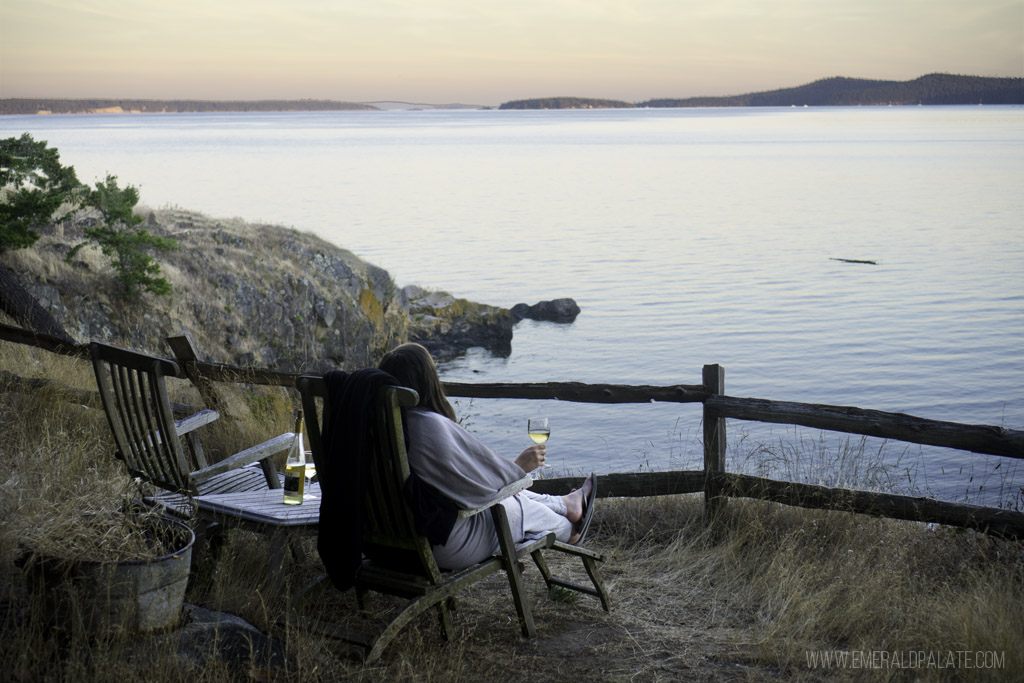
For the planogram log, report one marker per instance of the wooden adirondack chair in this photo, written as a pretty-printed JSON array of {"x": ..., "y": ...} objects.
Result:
[
  {"x": 149, "y": 439},
  {"x": 389, "y": 530}
]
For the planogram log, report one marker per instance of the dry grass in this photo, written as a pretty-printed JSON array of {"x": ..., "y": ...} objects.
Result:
[
  {"x": 745, "y": 598},
  {"x": 248, "y": 293}
]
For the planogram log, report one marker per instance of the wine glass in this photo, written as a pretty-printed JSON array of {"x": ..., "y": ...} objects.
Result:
[
  {"x": 310, "y": 469},
  {"x": 539, "y": 429}
]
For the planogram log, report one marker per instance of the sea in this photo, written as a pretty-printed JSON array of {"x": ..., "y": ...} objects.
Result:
[{"x": 862, "y": 256}]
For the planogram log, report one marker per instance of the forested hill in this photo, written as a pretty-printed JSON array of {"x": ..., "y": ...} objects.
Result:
[
  {"x": 101, "y": 106},
  {"x": 567, "y": 103},
  {"x": 930, "y": 89}
]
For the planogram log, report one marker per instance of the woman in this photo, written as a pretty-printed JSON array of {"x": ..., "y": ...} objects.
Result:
[{"x": 457, "y": 464}]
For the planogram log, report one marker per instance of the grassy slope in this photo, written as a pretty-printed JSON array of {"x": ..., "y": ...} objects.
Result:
[{"x": 745, "y": 598}]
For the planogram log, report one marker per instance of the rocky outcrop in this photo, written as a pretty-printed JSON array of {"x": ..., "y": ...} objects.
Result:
[
  {"x": 252, "y": 295},
  {"x": 16, "y": 302},
  {"x": 556, "y": 311},
  {"x": 448, "y": 326}
]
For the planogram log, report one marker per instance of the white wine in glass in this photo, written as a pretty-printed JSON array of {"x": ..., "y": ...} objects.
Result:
[{"x": 539, "y": 429}]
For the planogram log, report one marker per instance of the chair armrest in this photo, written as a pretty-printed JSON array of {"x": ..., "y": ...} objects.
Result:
[
  {"x": 193, "y": 422},
  {"x": 579, "y": 551},
  {"x": 506, "y": 492},
  {"x": 246, "y": 457}
]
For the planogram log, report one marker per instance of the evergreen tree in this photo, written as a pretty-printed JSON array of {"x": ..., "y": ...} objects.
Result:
[
  {"x": 33, "y": 185},
  {"x": 122, "y": 237}
]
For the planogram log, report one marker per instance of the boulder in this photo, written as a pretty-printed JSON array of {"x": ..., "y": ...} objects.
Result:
[
  {"x": 208, "y": 640},
  {"x": 447, "y": 326},
  {"x": 210, "y": 636},
  {"x": 555, "y": 311}
]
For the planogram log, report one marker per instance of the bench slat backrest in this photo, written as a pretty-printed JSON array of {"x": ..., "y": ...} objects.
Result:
[{"x": 134, "y": 396}]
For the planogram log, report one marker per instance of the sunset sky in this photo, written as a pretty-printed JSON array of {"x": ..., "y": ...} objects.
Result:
[{"x": 487, "y": 52}]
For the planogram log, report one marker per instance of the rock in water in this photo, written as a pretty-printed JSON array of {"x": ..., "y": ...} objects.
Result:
[
  {"x": 448, "y": 326},
  {"x": 555, "y": 311}
]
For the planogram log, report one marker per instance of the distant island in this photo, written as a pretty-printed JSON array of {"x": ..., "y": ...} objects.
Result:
[
  {"x": 838, "y": 91},
  {"x": 842, "y": 92},
  {"x": 567, "y": 103},
  {"x": 110, "y": 106}
]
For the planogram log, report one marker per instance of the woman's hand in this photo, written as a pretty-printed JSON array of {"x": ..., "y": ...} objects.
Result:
[{"x": 532, "y": 458}]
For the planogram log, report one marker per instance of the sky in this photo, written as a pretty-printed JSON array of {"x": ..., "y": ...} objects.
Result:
[{"x": 489, "y": 51}]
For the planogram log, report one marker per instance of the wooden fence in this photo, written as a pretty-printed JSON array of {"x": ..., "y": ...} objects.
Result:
[{"x": 714, "y": 481}]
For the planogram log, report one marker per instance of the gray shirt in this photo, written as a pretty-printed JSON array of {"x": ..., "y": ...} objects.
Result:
[{"x": 459, "y": 465}]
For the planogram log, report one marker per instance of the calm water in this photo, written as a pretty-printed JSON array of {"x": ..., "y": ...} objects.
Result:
[{"x": 687, "y": 237}]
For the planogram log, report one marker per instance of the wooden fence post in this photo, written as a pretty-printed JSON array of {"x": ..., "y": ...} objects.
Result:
[
  {"x": 714, "y": 440},
  {"x": 185, "y": 352}
]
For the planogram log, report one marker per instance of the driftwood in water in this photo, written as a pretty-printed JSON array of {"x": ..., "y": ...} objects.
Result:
[{"x": 854, "y": 260}]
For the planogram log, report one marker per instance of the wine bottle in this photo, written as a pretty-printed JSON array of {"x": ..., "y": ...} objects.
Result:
[{"x": 295, "y": 467}]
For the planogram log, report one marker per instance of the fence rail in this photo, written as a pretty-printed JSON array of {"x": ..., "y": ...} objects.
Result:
[
  {"x": 60, "y": 345},
  {"x": 913, "y": 508},
  {"x": 713, "y": 480},
  {"x": 581, "y": 393},
  {"x": 918, "y": 509},
  {"x": 985, "y": 439}
]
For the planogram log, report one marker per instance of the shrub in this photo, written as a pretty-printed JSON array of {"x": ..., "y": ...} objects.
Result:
[{"x": 122, "y": 237}]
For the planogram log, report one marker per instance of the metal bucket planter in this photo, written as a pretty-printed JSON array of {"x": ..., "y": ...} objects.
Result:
[{"x": 113, "y": 597}]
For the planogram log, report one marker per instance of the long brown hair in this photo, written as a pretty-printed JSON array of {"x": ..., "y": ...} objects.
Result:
[{"x": 412, "y": 365}]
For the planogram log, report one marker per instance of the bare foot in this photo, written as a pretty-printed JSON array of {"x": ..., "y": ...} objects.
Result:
[{"x": 574, "y": 501}]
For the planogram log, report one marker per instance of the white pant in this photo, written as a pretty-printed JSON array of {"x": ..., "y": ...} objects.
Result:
[
  {"x": 474, "y": 539},
  {"x": 543, "y": 513}
]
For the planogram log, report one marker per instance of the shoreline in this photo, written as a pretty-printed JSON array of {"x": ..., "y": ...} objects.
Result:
[{"x": 927, "y": 90}]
